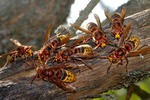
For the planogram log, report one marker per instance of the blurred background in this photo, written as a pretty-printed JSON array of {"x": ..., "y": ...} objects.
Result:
[{"x": 27, "y": 21}]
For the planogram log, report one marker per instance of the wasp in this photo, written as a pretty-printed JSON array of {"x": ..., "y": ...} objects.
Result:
[
  {"x": 58, "y": 75},
  {"x": 22, "y": 51},
  {"x": 84, "y": 51},
  {"x": 116, "y": 23},
  {"x": 78, "y": 53},
  {"x": 74, "y": 52},
  {"x": 127, "y": 48},
  {"x": 97, "y": 34},
  {"x": 51, "y": 44}
]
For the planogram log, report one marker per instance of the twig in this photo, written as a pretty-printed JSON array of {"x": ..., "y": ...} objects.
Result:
[{"x": 82, "y": 17}]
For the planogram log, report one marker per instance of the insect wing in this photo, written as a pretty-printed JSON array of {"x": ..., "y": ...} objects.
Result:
[
  {"x": 126, "y": 31},
  {"x": 108, "y": 16},
  {"x": 80, "y": 39},
  {"x": 64, "y": 86},
  {"x": 48, "y": 31},
  {"x": 143, "y": 51},
  {"x": 98, "y": 21},
  {"x": 16, "y": 42},
  {"x": 123, "y": 13},
  {"x": 80, "y": 28}
]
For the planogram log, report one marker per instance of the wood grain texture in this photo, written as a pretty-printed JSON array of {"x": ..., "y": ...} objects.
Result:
[{"x": 14, "y": 82}]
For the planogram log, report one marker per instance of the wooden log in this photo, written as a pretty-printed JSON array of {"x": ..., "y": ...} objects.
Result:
[{"x": 14, "y": 82}]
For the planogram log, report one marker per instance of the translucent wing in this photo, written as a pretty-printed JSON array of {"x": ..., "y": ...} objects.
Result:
[
  {"x": 66, "y": 87},
  {"x": 108, "y": 16},
  {"x": 126, "y": 31},
  {"x": 123, "y": 13},
  {"x": 80, "y": 28},
  {"x": 48, "y": 31},
  {"x": 98, "y": 21},
  {"x": 80, "y": 39},
  {"x": 143, "y": 51},
  {"x": 16, "y": 42}
]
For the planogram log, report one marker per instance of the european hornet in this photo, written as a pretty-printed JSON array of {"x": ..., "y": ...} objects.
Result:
[
  {"x": 126, "y": 49},
  {"x": 81, "y": 51},
  {"x": 58, "y": 75},
  {"x": 76, "y": 53},
  {"x": 22, "y": 51},
  {"x": 116, "y": 23},
  {"x": 97, "y": 34},
  {"x": 51, "y": 44},
  {"x": 84, "y": 51}
]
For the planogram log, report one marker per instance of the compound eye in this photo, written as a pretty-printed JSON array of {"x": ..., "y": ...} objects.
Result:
[
  {"x": 96, "y": 34},
  {"x": 118, "y": 24}
]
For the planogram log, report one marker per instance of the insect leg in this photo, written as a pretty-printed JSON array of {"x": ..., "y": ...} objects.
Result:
[
  {"x": 97, "y": 46},
  {"x": 104, "y": 57},
  {"x": 120, "y": 63},
  {"x": 86, "y": 40},
  {"x": 79, "y": 59},
  {"x": 34, "y": 77},
  {"x": 9, "y": 58}
]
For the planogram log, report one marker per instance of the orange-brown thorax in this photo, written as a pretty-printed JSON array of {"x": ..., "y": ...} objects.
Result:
[
  {"x": 117, "y": 55},
  {"x": 117, "y": 28},
  {"x": 121, "y": 52},
  {"x": 47, "y": 49},
  {"x": 24, "y": 51},
  {"x": 99, "y": 38}
]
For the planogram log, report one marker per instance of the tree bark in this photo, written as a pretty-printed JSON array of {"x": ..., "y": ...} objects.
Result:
[
  {"x": 15, "y": 81},
  {"x": 134, "y": 6},
  {"x": 27, "y": 20}
]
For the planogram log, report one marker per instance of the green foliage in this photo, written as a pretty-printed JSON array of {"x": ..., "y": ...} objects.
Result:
[
  {"x": 121, "y": 93},
  {"x": 98, "y": 99},
  {"x": 145, "y": 85},
  {"x": 135, "y": 97}
]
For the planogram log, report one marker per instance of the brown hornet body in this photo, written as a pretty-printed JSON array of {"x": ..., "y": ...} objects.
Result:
[
  {"x": 116, "y": 23},
  {"x": 76, "y": 54},
  {"x": 117, "y": 55},
  {"x": 47, "y": 50},
  {"x": 125, "y": 49},
  {"x": 22, "y": 51},
  {"x": 97, "y": 34},
  {"x": 51, "y": 44},
  {"x": 57, "y": 75}
]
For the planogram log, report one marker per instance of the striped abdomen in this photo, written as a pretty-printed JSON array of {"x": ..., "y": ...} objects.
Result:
[
  {"x": 60, "y": 74},
  {"x": 83, "y": 49},
  {"x": 60, "y": 40},
  {"x": 132, "y": 43}
]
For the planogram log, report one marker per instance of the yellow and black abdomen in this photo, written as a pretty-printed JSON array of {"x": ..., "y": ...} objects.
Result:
[
  {"x": 66, "y": 76},
  {"x": 64, "y": 39},
  {"x": 84, "y": 49},
  {"x": 60, "y": 40},
  {"x": 133, "y": 42}
]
